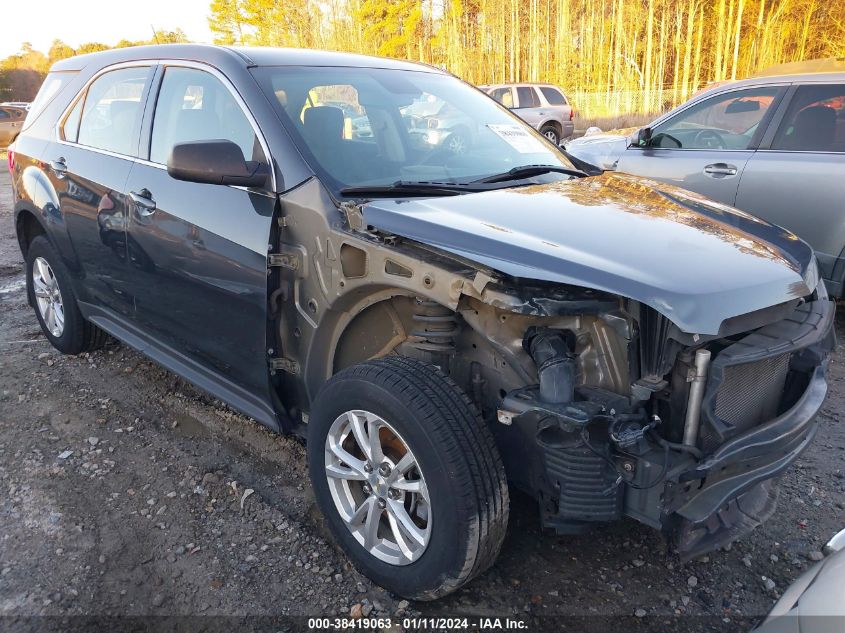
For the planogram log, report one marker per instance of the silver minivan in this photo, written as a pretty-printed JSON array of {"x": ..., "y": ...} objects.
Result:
[
  {"x": 543, "y": 106},
  {"x": 773, "y": 146}
]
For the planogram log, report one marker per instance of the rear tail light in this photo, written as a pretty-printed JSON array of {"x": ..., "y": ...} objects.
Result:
[
  {"x": 11, "y": 160},
  {"x": 571, "y": 114}
]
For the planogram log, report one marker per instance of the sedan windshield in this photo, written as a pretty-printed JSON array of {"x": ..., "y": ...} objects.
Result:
[{"x": 374, "y": 127}]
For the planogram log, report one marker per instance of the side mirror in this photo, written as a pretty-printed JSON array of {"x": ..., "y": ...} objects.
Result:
[
  {"x": 215, "y": 162},
  {"x": 643, "y": 137}
]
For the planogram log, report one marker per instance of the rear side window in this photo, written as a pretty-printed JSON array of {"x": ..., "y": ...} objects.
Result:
[
  {"x": 527, "y": 97},
  {"x": 815, "y": 120},
  {"x": 4, "y": 114},
  {"x": 553, "y": 95},
  {"x": 70, "y": 128},
  {"x": 193, "y": 105},
  {"x": 111, "y": 116},
  {"x": 50, "y": 87}
]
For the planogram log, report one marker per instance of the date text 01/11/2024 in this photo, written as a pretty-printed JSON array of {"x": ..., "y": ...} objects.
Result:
[{"x": 419, "y": 624}]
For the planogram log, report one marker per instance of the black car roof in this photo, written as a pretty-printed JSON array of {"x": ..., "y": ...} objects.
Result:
[{"x": 222, "y": 55}]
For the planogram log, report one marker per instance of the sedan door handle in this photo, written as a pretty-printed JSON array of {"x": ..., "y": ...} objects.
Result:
[
  {"x": 59, "y": 167},
  {"x": 720, "y": 169},
  {"x": 144, "y": 201}
]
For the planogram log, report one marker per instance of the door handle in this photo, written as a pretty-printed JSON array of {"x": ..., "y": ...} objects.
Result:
[
  {"x": 59, "y": 167},
  {"x": 143, "y": 200},
  {"x": 720, "y": 169}
]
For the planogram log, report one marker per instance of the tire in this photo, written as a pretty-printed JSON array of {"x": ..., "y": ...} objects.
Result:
[
  {"x": 458, "y": 465},
  {"x": 75, "y": 335},
  {"x": 551, "y": 133}
]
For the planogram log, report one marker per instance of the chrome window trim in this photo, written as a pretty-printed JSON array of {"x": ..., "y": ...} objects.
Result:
[{"x": 165, "y": 63}]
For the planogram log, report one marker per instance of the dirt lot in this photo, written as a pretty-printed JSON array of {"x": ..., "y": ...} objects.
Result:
[{"x": 122, "y": 491}]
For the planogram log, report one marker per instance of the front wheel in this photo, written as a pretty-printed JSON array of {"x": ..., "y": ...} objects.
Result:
[{"x": 408, "y": 476}]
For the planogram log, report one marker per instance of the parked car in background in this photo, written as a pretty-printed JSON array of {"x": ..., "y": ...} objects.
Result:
[
  {"x": 11, "y": 121},
  {"x": 542, "y": 105},
  {"x": 442, "y": 326},
  {"x": 773, "y": 146},
  {"x": 814, "y": 602},
  {"x": 433, "y": 122}
]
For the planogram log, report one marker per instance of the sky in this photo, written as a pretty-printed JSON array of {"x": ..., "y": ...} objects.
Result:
[{"x": 78, "y": 21}]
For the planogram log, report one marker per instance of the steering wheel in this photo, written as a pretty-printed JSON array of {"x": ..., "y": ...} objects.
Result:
[{"x": 708, "y": 139}]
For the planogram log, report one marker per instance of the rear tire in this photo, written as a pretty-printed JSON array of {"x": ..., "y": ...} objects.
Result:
[
  {"x": 466, "y": 506},
  {"x": 49, "y": 292},
  {"x": 551, "y": 133}
]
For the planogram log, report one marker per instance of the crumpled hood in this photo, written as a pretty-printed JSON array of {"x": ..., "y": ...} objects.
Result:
[
  {"x": 602, "y": 150},
  {"x": 695, "y": 261}
]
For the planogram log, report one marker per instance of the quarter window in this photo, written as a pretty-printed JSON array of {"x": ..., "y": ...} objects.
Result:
[
  {"x": 193, "y": 105},
  {"x": 815, "y": 120},
  {"x": 111, "y": 115},
  {"x": 527, "y": 97},
  {"x": 553, "y": 95},
  {"x": 726, "y": 121}
]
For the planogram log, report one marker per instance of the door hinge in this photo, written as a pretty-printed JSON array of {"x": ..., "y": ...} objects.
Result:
[
  {"x": 285, "y": 260},
  {"x": 287, "y": 365}
]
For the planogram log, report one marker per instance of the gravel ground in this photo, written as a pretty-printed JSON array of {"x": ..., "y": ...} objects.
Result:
[{"x": 125, "y": 491}]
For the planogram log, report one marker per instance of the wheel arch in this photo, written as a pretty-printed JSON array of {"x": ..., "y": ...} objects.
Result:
[
  {"x": 347, "y": 314},
  {"x": 28, "y": 225}
]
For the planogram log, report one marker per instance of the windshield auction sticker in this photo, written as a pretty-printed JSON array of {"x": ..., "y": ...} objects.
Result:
[{"x": 518, "y": 137}]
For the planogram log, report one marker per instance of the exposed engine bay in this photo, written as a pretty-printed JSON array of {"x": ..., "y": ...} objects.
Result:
[{"x": 601, "y": 407}]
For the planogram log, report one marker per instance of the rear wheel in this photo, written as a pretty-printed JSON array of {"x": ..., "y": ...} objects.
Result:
[
  {"x": 49, "y": 292},
  {"x": 408, "y": 477},
  {"x": 551, "y": 133}
]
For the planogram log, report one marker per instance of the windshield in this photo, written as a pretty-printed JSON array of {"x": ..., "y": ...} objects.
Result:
[{"x": 362, "y": 127}]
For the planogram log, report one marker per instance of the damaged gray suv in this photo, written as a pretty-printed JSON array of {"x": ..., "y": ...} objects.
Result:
[{"x": 441, "y": 326}]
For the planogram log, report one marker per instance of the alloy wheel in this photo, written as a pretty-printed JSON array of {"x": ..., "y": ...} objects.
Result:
[
  {"x": 378, "y": 487},
  {"x": 48, "y": 296}
]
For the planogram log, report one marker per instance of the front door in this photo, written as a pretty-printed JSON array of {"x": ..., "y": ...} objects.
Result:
[
  {"x": 704, "y": 148},
  {"x": 198, "y": 252},
  {"x": 798, "y": 179}
]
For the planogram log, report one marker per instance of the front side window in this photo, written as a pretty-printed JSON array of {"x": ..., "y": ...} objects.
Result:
[
  {"x": 503, "y": 96},
  {"x": 111, "y": 115},
  {"x": 553, "y": 95},
  {"x": 727, "y": 121},
  {"x": 422, "y": 127},
  {"x": 194, "y": 105},
  {"x": 815, "y": 120},
  {"x": 527, "y": 97}
]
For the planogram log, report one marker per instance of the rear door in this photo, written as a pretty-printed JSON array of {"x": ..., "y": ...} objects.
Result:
[
  {"x": 198, "y": 252},
  {"x": 528, "y": 106},
  {"x": 797, "y": 177},
  {"x": 88, "y": 166},
  {"x": 705, "y": 147}
]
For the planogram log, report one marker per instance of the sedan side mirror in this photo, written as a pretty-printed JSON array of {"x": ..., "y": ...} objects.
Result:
[
  {"x": 215, "y": 162},
  {"x": 643, "y": 137}
]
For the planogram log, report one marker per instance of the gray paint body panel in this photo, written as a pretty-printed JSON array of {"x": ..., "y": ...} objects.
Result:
[{"x": 695, "y": 261}]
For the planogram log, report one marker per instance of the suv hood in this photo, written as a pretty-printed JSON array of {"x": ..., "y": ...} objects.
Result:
[
  {"x": 695, "y": 261},
  {"x": 602, "y": 150}
]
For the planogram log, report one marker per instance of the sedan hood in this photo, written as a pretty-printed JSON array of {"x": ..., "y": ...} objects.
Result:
[
  {"x": 602, "y": 150},
  {"x": 695, "y": 261}
]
